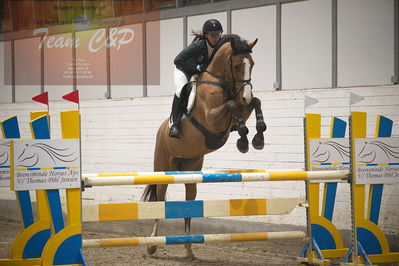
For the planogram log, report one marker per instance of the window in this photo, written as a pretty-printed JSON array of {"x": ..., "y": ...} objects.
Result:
[{"x": 190, "y": 2}]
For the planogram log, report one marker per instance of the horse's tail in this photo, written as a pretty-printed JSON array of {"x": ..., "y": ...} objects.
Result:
[{"x": 150, "y": 193}]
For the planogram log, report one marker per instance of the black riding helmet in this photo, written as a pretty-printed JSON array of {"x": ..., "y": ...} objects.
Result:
[{"x": 212, "y": 25}]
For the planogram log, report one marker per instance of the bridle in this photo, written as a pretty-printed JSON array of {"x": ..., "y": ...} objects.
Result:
[
  {"x": 244, "y": 81},
  {"x": 233, "y": 91}
]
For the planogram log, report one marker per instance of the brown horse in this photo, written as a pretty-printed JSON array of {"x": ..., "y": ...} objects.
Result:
[{"x": 223, "y": 103}]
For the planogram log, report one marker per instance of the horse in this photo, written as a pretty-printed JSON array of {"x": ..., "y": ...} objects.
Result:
[{"x": 223, "y": 102}]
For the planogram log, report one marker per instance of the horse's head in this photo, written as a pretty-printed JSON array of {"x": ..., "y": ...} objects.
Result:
[
  {"x": 231, "y": 62},
  {"x": 241, "y": 64}
]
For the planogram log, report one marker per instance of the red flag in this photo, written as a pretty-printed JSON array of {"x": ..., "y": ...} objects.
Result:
[
  {"x": 72, "y": 97},
  {"x": 41, "y": 98}
]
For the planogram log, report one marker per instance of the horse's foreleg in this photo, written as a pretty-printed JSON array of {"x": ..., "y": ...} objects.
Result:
[
  {"x": 242, "y": 142},
  {"x": 191, "y": 193},
  {"x": 161, "y": 192},
  {"x": 258, "y": 142}
]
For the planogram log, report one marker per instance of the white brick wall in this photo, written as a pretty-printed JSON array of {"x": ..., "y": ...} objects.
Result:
[{"x": 119, "y": 135}]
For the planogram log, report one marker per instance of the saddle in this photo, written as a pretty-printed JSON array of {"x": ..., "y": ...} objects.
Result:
[{"x": 187, "y": 97}]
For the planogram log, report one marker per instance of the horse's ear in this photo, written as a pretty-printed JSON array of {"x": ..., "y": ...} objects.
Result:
[{"x": 252, "y": 44}]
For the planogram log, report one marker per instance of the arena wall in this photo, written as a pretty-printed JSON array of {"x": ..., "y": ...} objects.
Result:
[{"x": 119, "y": 136}]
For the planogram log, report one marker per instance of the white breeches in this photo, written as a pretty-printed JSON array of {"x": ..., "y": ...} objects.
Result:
[{"x": 180, "y": 81}]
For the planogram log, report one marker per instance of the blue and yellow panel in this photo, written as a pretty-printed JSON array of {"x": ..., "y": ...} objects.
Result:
[
  {"x": 65, "y": 246},
  {"x": 369, "y": 235},
  {"x": 324, "y": 232},
  {"x": 186, "y": 209},
  {"x": 31, "y": 240}
]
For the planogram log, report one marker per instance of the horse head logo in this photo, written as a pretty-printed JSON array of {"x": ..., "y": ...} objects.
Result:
[
  {"x": 29, "y": 156},
  {"x": 326, "y": 151},
  {"x": 5, "y": 155},
  {"x": 377, "y": 149}
]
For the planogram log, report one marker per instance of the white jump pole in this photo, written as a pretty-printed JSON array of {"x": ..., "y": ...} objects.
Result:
[
  {"x": 213, "y": 178},
  {"x": 192, "y": 239}
]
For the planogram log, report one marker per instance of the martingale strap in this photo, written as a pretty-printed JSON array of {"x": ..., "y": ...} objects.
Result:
[{"x": 214, "y": 75}]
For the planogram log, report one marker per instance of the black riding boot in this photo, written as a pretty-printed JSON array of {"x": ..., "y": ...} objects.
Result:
[{"x": 175, "y": 117}]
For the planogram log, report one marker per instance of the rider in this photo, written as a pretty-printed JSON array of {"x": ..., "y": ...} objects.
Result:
[{"x": 193, "y": 60}]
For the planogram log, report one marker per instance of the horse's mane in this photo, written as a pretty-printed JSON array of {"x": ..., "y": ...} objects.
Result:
[{"x": 240, "y": 46}]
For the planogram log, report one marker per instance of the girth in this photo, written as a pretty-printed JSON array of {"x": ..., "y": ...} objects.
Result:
[{"x": 212, "y": 140}]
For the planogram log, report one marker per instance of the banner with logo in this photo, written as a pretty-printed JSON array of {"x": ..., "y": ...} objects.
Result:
[
  {"x": 329, "y": 154},
  {"x": 46, "y": 164},
  {"x": 90, "y": 42},
  {"x": 4, "y": 163},
  {"x": 377, "y": 160}
]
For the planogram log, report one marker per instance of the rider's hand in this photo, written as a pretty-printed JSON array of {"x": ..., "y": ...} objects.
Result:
[{"x": 201, "y": 67}]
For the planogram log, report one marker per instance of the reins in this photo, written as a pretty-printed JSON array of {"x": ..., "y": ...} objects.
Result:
[{"x": 232, "y": 92}]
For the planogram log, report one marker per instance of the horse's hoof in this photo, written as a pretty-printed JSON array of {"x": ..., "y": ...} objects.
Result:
[
  {"x": 242, "y": 145},
  {"x": 258, "y": 142},
  {"x": 151, "y": 250},
  {"x": 190, "y": 256}
]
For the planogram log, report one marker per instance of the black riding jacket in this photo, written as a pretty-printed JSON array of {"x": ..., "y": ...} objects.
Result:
[{"x": 192, "y": 56}]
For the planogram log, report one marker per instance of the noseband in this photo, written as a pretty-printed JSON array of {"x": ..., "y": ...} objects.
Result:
[{"x": 233, "y": 91}]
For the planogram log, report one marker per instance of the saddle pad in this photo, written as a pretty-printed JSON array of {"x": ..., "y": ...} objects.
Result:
[{"x": 191, "y": 97}]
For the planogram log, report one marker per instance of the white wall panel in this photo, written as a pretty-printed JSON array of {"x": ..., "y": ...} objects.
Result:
[
  {"x": 259, "y": 23},
  {"x": 171, "y": 43},
  {"x": 365, "y": 42},
  {"x": 91, "y": 56},
  {"x": 306, "y": 44},
  {"x": 58, "y": 68},
  {"x": 126, "y": 61}
]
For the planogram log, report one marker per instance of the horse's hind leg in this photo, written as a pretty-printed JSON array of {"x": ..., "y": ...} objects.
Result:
[
  {"x": 258, "y": 141},
  {"x": 194, "y": 164},
  {"x": 191, "y": 193},
  {"x": 161, "y": 192}
]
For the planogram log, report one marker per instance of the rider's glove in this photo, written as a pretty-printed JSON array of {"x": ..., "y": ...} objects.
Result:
[{"x": 201, "y": 67}]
